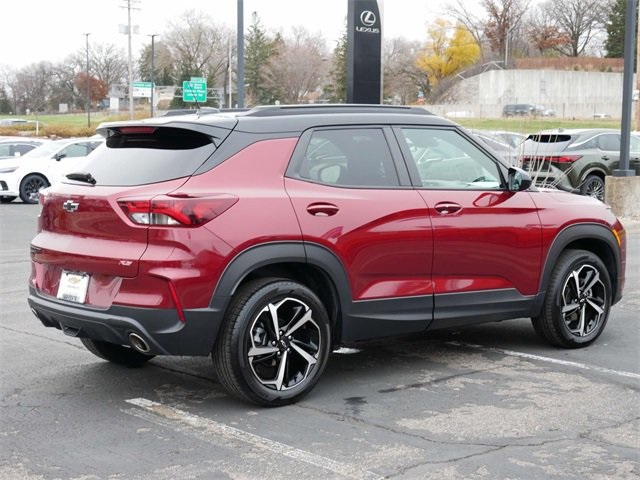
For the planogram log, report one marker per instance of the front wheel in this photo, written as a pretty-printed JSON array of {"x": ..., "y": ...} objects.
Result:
[
  {"x": 274, "y": 344},
  {"x": 578, "y": 301},
  {"x": 593, "y": 186},
  {"x": 31, "y": 186}
]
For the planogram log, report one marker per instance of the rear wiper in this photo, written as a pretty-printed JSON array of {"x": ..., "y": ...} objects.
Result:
[{"x": 82, "y": 177}]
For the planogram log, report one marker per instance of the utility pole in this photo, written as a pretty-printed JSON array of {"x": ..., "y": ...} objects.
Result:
[
  {"x": 240, "y": 33},
  {"x": 638, "y": 78},
  {"x": 128, "y": 5},
  {"x": 88, "y": 83},
  {"x": 153, "y": 68},
  {"x": 627, "y": 90}
]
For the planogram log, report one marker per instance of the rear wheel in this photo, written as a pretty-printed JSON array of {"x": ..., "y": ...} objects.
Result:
[
  {"x": 116, "y": 353},
  {"x": 31, "y": 186},
  {"x": 593, "y": 186},
  {"x": 274, "y": 344},
  {"x": 578, "y": 301}
]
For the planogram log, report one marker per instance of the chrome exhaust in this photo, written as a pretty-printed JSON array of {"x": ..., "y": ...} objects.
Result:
[{"x": 139, "y": 343}]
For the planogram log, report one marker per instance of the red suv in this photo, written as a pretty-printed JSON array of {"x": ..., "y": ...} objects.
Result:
[{"x": 267, "y": 238}]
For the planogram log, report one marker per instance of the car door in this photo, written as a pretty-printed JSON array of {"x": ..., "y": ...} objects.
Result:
[
  {"x": 359, "y": 215},
  {"x": 486, "y": 239}
]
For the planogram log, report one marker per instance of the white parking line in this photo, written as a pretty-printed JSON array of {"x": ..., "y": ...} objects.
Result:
[
  {"x": 211, "y": 427},
  {"x": 557, "y": 361}
]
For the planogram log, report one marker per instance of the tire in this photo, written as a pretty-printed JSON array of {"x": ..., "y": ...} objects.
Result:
[
  {"x": 30, "y": 186},
  {"x": 593, "y": 186},
  {"x": 578, "y": 301},
  {"x": 274, "y": 344},
  {"x": 7, "y": 199},
  {"x": 116, "y": 353}
]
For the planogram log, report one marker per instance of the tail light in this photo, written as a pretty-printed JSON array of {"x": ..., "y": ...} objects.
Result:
[
  {"x": 176, "y": 210},
  {"x": 552, "y": 158}
]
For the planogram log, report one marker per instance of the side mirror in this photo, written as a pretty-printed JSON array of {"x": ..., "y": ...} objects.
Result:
[
  {"x": 59, "y": 156},
  {"x": 519, "y": 180}
]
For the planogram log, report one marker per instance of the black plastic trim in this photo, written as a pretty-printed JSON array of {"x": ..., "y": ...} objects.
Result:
[
  {"x": 582, "y": 232},
  {"x": 161, "y": 329},
  {"x": 469, "y": 308}
]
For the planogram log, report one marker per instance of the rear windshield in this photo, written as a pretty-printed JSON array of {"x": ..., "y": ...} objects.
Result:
[
  {"x": 546, "y": 143},
  {"x": 139, "y": 156}
]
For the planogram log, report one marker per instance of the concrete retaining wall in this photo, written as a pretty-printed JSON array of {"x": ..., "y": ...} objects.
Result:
[{"x": 571, "y": 94}]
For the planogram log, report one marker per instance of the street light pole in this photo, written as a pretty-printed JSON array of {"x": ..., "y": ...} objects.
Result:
[
  {"x": 88, "y": 83},
  {"x": 153, "y": 68}
]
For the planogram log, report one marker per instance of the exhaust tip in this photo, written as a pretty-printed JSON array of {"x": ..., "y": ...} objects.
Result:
[{"x": 139, "y": 343}]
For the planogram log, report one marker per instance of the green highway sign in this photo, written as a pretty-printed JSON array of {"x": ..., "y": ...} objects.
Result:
[
  {"x": 141, "y": 89},
  {"x": 194, "y": 90}
]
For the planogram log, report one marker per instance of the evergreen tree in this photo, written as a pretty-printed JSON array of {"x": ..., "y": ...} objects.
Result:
[
  {"x": 615, "y": 29},
  {"x": 259, "y": 49},
  {"x": 5, "y": 103},
  {"x": 337, "y": 89}
]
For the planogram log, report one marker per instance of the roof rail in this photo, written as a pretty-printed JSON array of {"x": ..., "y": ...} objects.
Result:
[{"x": 305, "y": 109}]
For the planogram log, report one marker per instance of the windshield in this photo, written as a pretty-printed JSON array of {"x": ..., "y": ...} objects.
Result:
[{"x": 45, "y": 150}]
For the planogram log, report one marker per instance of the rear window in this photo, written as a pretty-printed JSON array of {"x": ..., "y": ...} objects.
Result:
[
  {"x": 550, "y": 138},
  {"x": 143, "y": 155}
]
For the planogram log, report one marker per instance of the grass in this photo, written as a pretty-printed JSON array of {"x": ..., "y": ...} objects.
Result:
[
  {"x": 75, "y": 124},
  {"x": 531, "y": 125},
  {"x": 64, "y": 125}
]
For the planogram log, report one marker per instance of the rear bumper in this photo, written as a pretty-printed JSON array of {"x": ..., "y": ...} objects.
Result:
[{"x": 161, "y": 329}]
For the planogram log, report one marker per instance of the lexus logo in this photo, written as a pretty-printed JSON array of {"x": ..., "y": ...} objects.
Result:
[
  {"x": 70, "y": 206},
  {"x": 368, "y": 18}
]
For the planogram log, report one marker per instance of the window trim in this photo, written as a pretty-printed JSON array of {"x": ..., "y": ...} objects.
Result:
[
  {"x": 413, "y": 169},
  {"x": 297, "y": 158}
]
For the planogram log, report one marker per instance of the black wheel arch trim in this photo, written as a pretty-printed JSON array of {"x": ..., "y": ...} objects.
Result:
[
  {"x": 581, "y": 232},
  {"x": 273, "y": 253}
]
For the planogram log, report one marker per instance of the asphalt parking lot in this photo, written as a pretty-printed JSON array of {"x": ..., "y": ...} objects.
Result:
[{"x": 488, "y": 402}]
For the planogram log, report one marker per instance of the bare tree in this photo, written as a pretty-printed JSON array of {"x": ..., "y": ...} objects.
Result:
[
  {"x": 580, "y": 20},
  {"x": 299, "y": 68},
  {"x": 497, "y": 28},
  {"x": 402, "y": 79},
  {"x": 544, "y": 32},
  {"x": 199, "y": 46},
  {"x": 33, "y": 86}
]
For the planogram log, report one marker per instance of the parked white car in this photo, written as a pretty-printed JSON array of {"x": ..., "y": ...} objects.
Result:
[{"x": 43, "y": 166}]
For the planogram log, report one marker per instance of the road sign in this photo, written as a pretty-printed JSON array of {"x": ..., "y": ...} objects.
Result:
[
  {"x": 142, "y": 89},
  {"x": 194, "y": 91}
]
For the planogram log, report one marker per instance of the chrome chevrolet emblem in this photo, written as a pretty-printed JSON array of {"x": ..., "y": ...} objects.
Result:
[{"x": 70, "y": 206}]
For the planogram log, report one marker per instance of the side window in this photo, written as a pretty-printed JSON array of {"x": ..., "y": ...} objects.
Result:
[
  {"x": 5, "y": 150},
  {"x": 349, "y": 157},
  {"x": 445, "y": 159},
  {"x": 22, "y": 149},
  {"x": 609, "y": 142},
  {"x": 76, "y": 150}
]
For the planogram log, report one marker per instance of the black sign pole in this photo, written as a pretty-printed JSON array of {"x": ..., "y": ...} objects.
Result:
[{"x": 364, "y": 52}]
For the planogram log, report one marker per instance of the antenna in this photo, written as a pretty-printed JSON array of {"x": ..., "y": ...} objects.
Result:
[{"x": 195, "y": 99}]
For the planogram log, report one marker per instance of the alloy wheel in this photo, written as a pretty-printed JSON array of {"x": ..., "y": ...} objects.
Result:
[
  {"x": 595, "y": 188},
  {"x": 284, "y": 344},
  {"x": 583, "y": 301}
]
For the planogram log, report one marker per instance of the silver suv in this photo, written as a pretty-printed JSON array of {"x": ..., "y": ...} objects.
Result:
[{"x": 576, "y": 160}]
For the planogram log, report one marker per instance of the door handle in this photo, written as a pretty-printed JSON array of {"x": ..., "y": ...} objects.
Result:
[
  {"x": 322, "y": 209},
  {"x": 447, "y": 208},
  {"x": 605, "y": 157}
]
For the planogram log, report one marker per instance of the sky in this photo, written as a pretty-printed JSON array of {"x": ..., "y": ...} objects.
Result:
[{"x": 37, "y": 30}]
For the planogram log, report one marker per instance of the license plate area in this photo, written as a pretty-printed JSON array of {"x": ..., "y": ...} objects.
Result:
[{"x": 73, "y": 286}]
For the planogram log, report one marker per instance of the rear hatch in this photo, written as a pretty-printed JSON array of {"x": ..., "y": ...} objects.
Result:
[
  {"x": 85, "y": 225},
  {"x": 544, "y": 157}
]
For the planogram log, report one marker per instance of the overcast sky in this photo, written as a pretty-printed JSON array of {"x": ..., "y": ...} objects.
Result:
[{"x": 36, "y": 30}]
